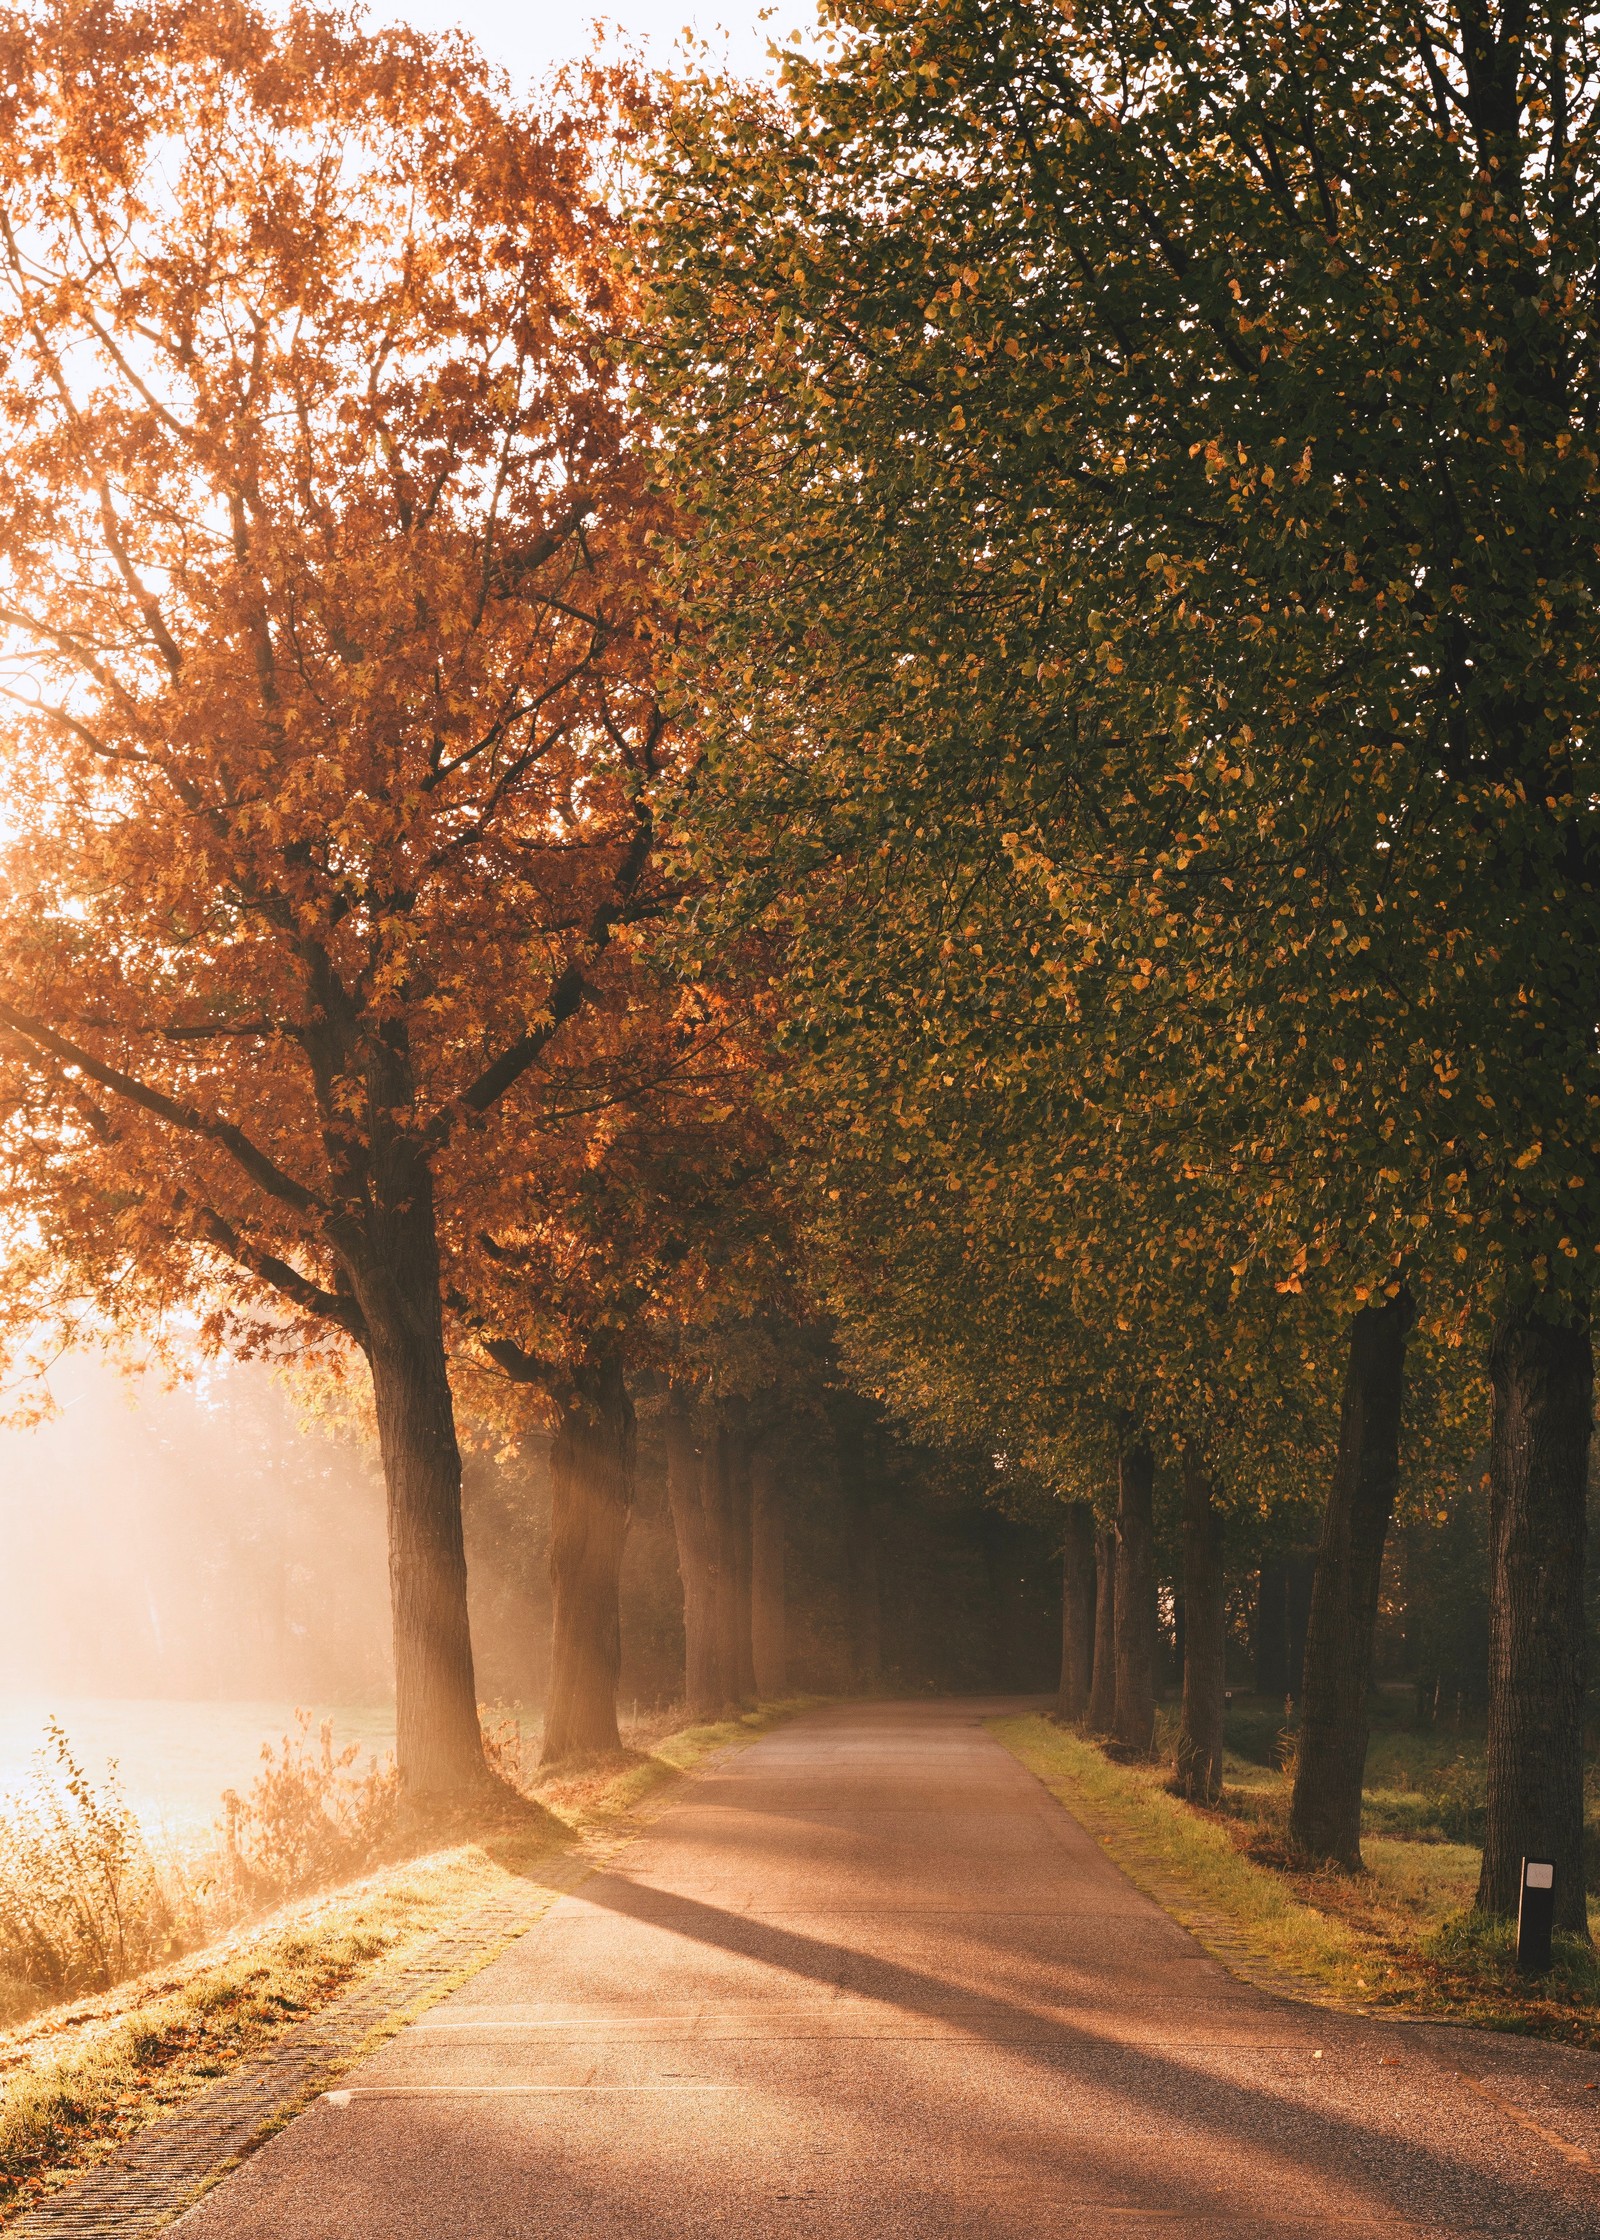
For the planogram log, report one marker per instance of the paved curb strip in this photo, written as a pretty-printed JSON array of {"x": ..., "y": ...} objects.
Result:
[{"x": 181, "y": 2155}]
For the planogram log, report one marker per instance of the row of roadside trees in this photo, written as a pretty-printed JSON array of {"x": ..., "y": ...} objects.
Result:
[
  {"x": 1142, "y": 472},
  {"x": 971, "y": 675}
]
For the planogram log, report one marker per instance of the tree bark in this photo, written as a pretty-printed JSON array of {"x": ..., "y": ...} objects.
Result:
[
  {"x": 727, "y": 1501},
  {"x": 591, "y": 1497},
  {"x": 1198, "y": 1773},
  {"x": 1271, "y": 1644},
  {"x": 1134, "y": 1721},
  {"x": 1077, "y": 1612},
  {"x": 868, "y": 1601},
  {"x": 742, "y": 1516},
  {"x": 1103, "y": 1672},
  {"x": 1300, "y": 1573},
  {"x": 1542, "y": 1376},
  {"x": 704, "y": 1694},
  {"x": 438, "y": 1744},
  {"x": 768, "y": 1647},
  {"x": 1325, "y": 1810},
  {"x": 853, "y": 1455}
]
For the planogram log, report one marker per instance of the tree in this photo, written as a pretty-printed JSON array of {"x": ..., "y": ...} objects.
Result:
[
  {"x": 322, "y": 537},
  {"x": 597, "y": 1269},
  {"x": 1325, "y": 1810},
  {"x": 1133, "y": 1720},
  {"x": 1198, "y": 1771},
  {"x": 1543, "y": 1380},
  {"x": 743, "y": 1372},
  {"x": 1077, "y": 1612}
]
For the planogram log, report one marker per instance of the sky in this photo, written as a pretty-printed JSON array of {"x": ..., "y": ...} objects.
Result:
[{"x": 527, "y": 36}]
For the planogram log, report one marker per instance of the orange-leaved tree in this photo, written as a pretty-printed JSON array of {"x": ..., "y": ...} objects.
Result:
[
  {"x": 653, "y": 1195},
  {"x": 324, "y": 578}
]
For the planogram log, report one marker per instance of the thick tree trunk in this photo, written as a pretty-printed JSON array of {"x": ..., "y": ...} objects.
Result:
[
  {"x": 1198, "y": 1773},
  {"x": 591, "y": 1502},
  {"x": 719, "y": 1513},
  {"x": 1103, "y": 1671},
  {"x": 1134, "y": 1722},
  {"x": 1077, "y": 1612},
  {"x": 768, "y": 1648},
  {"x": 1542, "y": 1374},
  {"x": 704, "y": 1693},
  {"x": 1325, "y": 1810},
  {"x": 438, "y": 1745}
]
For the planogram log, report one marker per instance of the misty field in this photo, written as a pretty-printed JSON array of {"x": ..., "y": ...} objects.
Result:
[{"x": 174, "y": 1759}]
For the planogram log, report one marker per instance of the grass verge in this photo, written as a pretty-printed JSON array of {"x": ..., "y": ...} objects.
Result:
[
  {"x": 1400, "y": 1939},
  {"x": 78, "y": 2081}
]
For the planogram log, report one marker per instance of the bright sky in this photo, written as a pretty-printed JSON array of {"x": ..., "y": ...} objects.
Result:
[{"x": 526, "y": 36}]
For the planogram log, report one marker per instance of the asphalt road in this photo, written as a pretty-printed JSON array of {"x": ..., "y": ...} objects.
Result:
[{"x": 865, "y": 1979}]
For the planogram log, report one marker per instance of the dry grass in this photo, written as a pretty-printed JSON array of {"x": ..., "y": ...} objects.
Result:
[
  {"x": 1400, "y": 1937},
  {"x": 76, "y": 2080}
]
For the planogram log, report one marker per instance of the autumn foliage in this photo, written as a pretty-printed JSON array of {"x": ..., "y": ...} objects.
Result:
[{"x": 325, "y": 584}]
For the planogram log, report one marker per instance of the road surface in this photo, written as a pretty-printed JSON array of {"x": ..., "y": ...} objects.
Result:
[{"x": 865, "y": 1979}]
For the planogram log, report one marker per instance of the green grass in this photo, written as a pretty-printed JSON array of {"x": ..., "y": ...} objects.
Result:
[
  {"x": 1401, "y": 1936},
  {"x": 77, "y": 2081}
]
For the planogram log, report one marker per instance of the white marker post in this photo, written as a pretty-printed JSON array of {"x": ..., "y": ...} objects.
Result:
[{"x": 1536, "y": 1916}]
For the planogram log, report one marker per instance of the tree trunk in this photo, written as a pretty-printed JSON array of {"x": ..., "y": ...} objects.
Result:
[
  {"x": 1134, "y": 1722},
  {"x": 591, "y": 1501},
  {"x": 438, "y": 1744},
  {"x": 1205, "y": 1636},
  {"x": 741, "y": 1510},
  {"x": 704, "y": 1694},
  {"x": 768, "y": 1650},
  {"x": 1103, "y": 1672},
  {"x": 1542, "y": 1375},
  {"x": 1300, "y": 1573},
  {"x": 1077, "y": 1612},
  {"x": 1325, "y": 1810},
  {"x": 728, "y": 1511},
  {"x": 1271, "y": 1644},
  {"x": 868, "y": 1599},
  {"x": 853, "y": 1456}
]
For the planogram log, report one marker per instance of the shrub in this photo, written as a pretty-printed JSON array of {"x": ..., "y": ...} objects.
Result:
[
  {"x": 1459, "y": 1795},
  {"x": 1254, "y": 1732},
  {"x": 82, "y": 1905},
  {"x": 314, "y": 1815},
  {"x": 503, "y": 1747}
]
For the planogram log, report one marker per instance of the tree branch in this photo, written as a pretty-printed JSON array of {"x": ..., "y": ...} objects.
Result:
[
  {"x": 565, "y": 1001},
  {"x": 269, "y": 1269},
  {"x": 263, "y": 1171}
]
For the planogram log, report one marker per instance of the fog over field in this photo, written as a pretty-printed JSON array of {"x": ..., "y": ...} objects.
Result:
[
  {"x": 192, "y": 1541},
  {"x": 180, "y": 1567}
]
